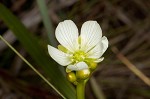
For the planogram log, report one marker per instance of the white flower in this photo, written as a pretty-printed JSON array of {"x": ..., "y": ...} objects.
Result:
[{"x": 75, "y": 51}]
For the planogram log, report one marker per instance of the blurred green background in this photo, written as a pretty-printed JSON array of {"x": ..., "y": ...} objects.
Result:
[{"x": 126, "y": 23}]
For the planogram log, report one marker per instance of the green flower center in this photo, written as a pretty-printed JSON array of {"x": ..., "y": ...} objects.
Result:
[{"x": 78, "y": 56}]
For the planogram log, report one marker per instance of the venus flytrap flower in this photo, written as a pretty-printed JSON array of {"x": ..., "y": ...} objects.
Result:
[{"x": 79, "y": 52}]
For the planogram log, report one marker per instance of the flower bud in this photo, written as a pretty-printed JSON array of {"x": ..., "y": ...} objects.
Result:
[
  {"x": 71, "y": 77},
  {"x": 92, "y": 65},
  {"x": 83, "y": 74}
]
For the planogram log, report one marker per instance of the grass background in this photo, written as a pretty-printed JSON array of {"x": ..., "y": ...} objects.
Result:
[{"x": 125, "y": 23}]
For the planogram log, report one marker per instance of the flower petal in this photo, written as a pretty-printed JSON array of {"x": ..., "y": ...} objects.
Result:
[
  {"x": 78, "y": 66},
  {"x": 59, "y": 56},
  {"x": 99, "y": 60},
  {"x": 67, "y": 35},
  {"x": 99, "y": 49},
  {"x": 104, "y": 43},
  {"x": 91, "y": 34}
]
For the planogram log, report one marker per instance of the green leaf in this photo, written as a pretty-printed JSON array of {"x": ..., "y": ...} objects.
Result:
[
  {"x": 32, "y": 46},
  {"x": 47, "y": 22}
]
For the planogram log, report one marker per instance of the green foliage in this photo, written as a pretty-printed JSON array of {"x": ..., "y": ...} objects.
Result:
[
  {"x": 32, "y": 46},
  {"x": 46, "y": 20}
]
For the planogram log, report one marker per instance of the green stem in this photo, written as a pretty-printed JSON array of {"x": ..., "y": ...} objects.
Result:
[{"x": 80, "y": 88}]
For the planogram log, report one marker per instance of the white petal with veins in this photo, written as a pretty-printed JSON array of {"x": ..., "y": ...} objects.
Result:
[
  {"x": 67, "y": 35},
  {"x": 104, "y": 43},
  {"x": 99, "y": 49},
  {"x": 91, "y": 34},
  {"x": 78, "y": 66},
  {"x": 99, "y": 60},
  {"x": 59, "y": 56}
]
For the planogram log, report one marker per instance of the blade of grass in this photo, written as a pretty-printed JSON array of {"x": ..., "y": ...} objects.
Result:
[
  {"x": 34, "y": 69},
  {"x": 96, "y": 89},
  {"x": 47, "y": 22},
  {"x": 133, "y": 68},
  {"x": 33, "y": 47}
]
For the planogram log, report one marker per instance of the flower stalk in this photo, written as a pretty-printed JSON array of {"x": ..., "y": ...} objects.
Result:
[{"x": 80, "y": 88}]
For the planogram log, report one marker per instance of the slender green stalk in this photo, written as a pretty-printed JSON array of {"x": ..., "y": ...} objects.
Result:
[
  {"x": 80, "y": 88},
  {"x": 47, "y": 22},
  {"x": 31, "y": 66}
]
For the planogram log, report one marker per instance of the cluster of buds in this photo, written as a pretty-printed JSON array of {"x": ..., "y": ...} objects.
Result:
[{"x": 80, "y": 75}]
